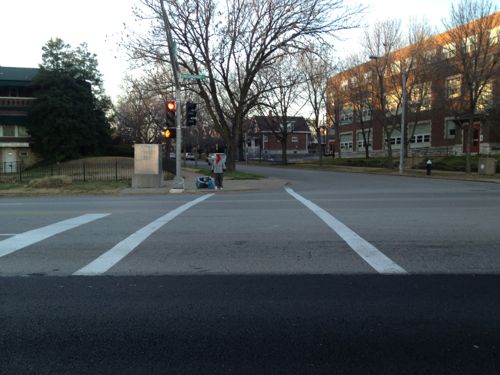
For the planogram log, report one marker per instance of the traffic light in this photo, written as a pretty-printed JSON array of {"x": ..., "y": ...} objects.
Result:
[
  {"x": 171, "y": 133},
  {"x": 190, "y": 114},
  {"x": 171, "y": 106}
]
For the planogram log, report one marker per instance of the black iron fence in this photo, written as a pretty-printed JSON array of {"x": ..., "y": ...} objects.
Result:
[{"x": 82, "y": 170}]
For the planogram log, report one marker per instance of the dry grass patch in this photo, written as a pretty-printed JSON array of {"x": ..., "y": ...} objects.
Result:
[{"x": 50, "y": 182}]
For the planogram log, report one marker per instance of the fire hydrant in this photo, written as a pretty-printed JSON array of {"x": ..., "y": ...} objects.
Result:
[{"x": 428, "y": 166}]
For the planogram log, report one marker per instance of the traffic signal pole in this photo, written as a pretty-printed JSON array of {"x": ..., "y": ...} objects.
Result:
[{"x": 178, "y": 185}]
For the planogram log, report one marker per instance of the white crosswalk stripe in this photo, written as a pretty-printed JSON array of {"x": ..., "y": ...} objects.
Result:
[
  {"x": 22, "y": 240},
  {"x": 370, "y": 254},
  {"x": 125, "y": 247}
]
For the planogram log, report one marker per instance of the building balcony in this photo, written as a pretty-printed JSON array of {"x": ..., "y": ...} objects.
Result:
[{"x": 15, "y": 103}]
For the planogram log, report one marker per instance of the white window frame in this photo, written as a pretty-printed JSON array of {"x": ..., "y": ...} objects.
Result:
[
  {"x": 346, "y": 115},
  {"x": 425, "y": 102},
  {"x": 486, "y": 98},
  {"x": 495, "y": 35},
  {"x": 14, "y": 127},
  {"x": 346, "y": 144},
  {"x": 449, "y": 51},
  {"x": 457, "y": 89},
  {"x": 449, "y": 125},
  {"x": 366, "y": 112},
  {"x": 392, "y": 103},
  {"x": 359, "y": 140},
  {"x": 421, "y": 138},
  {"x": 22, "y": 132}
]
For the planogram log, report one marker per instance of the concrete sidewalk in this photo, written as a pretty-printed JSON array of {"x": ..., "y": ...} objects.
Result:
[{"x": 190, "y": 176}]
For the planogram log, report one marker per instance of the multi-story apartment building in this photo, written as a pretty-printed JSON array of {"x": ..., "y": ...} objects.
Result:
[
  {"x": 16, "y": 96},
  {"x": 367, "y": 101}
]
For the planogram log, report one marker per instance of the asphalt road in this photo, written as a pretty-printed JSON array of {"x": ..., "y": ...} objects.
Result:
[{"x": 334, "y": 273}]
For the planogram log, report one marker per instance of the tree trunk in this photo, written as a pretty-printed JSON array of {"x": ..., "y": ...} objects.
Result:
[
  {"x": 468, "y": 140},
  {"x": 283, "y": 152}
]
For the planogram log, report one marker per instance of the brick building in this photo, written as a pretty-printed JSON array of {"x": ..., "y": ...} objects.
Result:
[
  {"x": 262, "y": 142},
  {"x": 365, "y": 102}
]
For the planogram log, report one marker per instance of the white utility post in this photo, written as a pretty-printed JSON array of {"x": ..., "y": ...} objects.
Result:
[{"x": 403, "y": 110}]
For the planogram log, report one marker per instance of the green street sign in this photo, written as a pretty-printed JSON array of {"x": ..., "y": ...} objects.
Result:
[{"x": 192, "y": 76}]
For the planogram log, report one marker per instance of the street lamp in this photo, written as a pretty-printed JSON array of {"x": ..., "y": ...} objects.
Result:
[{"x": 403, "y": 110}]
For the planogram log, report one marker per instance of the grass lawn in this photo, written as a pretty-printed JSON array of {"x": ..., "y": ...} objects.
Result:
[{"x": 236, "y": 175}]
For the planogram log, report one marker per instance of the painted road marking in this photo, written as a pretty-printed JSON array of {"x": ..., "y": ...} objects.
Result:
[
  {"x": 125, "y": 247},
  {"x": 369, "y": 253},
  {"x": 22, "y": 240}
]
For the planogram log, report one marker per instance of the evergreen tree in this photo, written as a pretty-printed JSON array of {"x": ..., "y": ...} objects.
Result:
[{"x": 69, "y": 118}]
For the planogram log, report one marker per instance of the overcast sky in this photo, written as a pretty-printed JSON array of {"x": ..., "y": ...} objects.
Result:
[{"x": 27, "y": 25}]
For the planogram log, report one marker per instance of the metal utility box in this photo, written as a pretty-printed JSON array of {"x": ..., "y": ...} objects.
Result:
[{"x": 487, "y": 166}]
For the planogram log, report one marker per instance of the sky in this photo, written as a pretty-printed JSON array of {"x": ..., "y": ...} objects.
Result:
[{"x": 28, "y": 25}]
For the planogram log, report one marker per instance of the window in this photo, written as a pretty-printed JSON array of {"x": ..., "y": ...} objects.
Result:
[
  {"x": 392, "y": 104},
  {"x": 429, "y": 55},
  {"x": 9, "y": 131},
  {"x": 421, "y": 135},
  {"x": 471, "y": 44},
  {"x": 450, "y": 129},
  {"x": 395, "y": 138},
  {"x": 360, "y": 143},
  {"x": 346, "y": 115},
  {"x": 449, "y": 51},
  {"x": 346, "y": 141},
  {"x": 409, "y": 61},
  {"x": 366, "y": 112},
  {"x": 421, "y": 97},
  {"x": 453, "y": 86},
  {"x": 396, "y": 67},
  {"x": 295, "y": 139},
  {"x": 495, "y": 35},
  {"x": 290, "y": 126},
  {"x": 485, "y": 98},
  {"x": 22, "y": 132}
]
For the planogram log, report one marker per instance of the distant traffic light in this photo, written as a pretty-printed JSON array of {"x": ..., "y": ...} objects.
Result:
[
  {"x": 171, "y": 133},
  {"x": 171, "y": 106},
  {"x": 190, "y": 114}
]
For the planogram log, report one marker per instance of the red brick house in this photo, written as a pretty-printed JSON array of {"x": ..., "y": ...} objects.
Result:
[{"x": 263, "y": 141}]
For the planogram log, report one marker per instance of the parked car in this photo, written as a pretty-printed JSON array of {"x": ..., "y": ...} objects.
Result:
[{"x": 189, "y": 156}]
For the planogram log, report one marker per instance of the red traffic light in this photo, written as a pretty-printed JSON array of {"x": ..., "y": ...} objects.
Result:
[{"x": 171, "y": 105}]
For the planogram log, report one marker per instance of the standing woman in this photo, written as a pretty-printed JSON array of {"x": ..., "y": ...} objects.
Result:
[{"x": 218, "y": 168}]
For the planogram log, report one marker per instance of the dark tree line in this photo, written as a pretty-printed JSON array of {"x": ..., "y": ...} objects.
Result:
[{"x": 69, "y": 118}]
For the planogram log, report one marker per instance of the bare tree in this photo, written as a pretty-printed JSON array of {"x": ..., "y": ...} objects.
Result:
[
  {"x": 401, "y": 69},
  {"x": 360, "y": 95},
  {"x": 231, "y": 42},
  {"x": 337, "y": 98},
  {"x": 140, "y": 114},
  {"x": 470, "y": 45},
  {"x": 281, "y": 100},
  {"x": 316, "y": 66},
  {"x": 380, "y": 42},
  {"x": 414, "y": 71}
]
